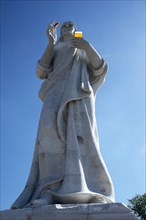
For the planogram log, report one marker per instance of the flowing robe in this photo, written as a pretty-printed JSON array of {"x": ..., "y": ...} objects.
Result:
[{"x": 67, "y": 161}]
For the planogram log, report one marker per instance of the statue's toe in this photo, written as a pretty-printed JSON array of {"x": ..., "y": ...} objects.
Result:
[{"x": 39, "y": 202}]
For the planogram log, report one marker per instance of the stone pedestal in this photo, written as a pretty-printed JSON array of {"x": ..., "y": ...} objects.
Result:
[{"x": 109, "y": 211}]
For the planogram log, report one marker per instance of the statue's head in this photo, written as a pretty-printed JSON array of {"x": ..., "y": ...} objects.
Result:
[{"x": 68, "y": 27}]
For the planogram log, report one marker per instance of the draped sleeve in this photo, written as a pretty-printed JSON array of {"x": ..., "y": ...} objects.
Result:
[
  {"x": 96, "y": 75},
  {"x": 41, "y": 71}
]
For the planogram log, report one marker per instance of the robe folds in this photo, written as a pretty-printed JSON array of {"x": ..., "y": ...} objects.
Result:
[{"x": 67, "y": 163}]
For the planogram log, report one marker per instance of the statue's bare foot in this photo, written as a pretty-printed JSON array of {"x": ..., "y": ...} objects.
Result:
[
  {"x": 45, "y": 199},
  {"x": 39, "y": 202}
]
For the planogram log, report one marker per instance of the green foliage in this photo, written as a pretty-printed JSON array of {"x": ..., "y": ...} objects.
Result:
[{"x": 138, "y": 205}]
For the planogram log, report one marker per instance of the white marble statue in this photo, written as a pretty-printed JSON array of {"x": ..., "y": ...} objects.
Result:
[{"x": 67, "y": 165}]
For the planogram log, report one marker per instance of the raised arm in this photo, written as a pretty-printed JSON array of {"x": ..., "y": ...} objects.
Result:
[
  {"x": 48, "y": 53},
  {"x": 94, "y": 58},
  {"x": 45, "y": 61}
]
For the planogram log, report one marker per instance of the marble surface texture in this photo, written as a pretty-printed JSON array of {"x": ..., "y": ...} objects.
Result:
[
  {"x": 109, "y": 211},
  {"x": 67, "y": 166}
]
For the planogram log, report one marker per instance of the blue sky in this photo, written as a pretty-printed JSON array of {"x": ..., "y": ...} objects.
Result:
[{"x": 117, "y": 30}]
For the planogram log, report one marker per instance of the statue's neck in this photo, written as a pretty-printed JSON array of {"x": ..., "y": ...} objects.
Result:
[{"x": 67, "y": 37}]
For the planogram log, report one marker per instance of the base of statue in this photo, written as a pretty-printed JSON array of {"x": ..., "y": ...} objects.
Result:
[{"x": 92, "y": 211}]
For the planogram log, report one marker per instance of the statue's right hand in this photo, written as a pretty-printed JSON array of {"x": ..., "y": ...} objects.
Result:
[{"x": 52, "y": 33}]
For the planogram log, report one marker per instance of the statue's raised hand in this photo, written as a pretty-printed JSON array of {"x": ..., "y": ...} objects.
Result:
[
  {"x": 80, "y": 43},
  {"x": 52, "y": 33}
]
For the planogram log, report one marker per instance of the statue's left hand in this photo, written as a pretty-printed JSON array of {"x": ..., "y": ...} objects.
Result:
[{"x": 80, "y": 43}]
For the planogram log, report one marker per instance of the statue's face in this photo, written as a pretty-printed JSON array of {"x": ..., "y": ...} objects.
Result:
[{"x": 68, "y": 27}]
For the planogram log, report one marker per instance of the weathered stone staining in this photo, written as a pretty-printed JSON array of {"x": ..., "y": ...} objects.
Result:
[
  {"x": 108, "y": 211},
  {"x": 67, "y": 166},
  {"x": 68, "y": 177}
]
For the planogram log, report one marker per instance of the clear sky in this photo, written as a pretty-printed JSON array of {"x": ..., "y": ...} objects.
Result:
[{"x": 117, "y": 30}]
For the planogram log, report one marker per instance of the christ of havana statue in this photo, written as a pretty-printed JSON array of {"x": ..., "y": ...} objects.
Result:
[{"x": 67, "y": 165}]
